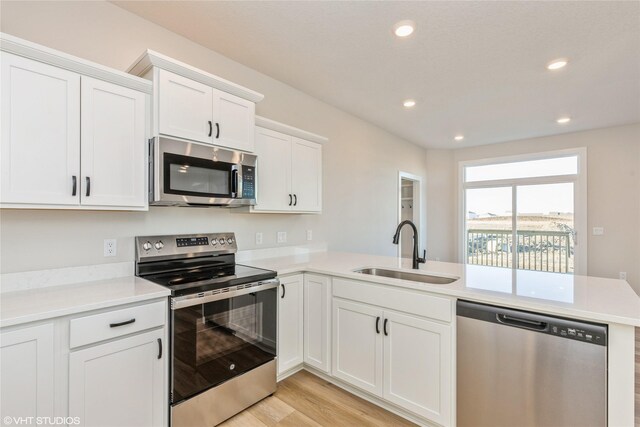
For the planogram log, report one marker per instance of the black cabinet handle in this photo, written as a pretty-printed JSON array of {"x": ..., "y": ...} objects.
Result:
[
  {"x": 295, "y": 200},
  {"x": 217, "y": 130},
  {"x": 284, "y": 291},
  {"x": 290, "y": 199},
  {"x": 378, "y": 325},
  {"x": 75, "y": 185},
  {"x": 159, "y": 348},
  {"x": 210, "y": 128},
  {"x": 126, "y": 322},
  {"x": 88, "y": 179},
  {"x": 385, "y": 327}
]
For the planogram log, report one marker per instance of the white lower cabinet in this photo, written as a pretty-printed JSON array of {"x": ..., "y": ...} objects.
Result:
[
  {"x": 403, "y": 359},
  {"x": 317, "y": 321},
  {"x": 417, "y": 366},
  {"x": 27, "y": 372},
  {"x": 119, "y": 383},
  {"x": 290, "y": 323},
  {"x": 357, "y": 345}
]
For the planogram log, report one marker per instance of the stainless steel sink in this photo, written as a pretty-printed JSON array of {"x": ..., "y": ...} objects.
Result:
[{"x": 405, "y": 275}]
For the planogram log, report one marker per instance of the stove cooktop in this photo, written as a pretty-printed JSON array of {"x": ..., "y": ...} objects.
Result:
[{"x": 207, "y": 279}]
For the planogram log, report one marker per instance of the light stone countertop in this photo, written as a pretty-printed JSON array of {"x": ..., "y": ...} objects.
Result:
[
  {"x": 30, "y": 305},
  {"x": 581, "y": 297}
]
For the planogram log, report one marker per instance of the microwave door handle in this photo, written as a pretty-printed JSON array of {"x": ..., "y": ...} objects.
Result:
[{"x": 234, "y": 183}]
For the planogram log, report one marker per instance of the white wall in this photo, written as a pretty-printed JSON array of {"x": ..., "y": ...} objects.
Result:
[
  {"x": 613, "y": 175},
  {"x": 361, "y": 161}
]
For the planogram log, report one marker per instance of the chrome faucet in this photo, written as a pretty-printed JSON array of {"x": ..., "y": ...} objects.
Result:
[{"x": 396, "y": 238}]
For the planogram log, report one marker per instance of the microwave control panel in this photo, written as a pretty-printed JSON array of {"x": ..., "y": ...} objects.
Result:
[{"x": 248, "y": 182}]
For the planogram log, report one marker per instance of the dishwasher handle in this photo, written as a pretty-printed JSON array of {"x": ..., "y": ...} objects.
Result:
[{"x": 521, "y": 322}]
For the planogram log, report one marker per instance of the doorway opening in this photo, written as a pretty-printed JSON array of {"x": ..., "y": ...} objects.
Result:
[{"x": 410, "y": 208}]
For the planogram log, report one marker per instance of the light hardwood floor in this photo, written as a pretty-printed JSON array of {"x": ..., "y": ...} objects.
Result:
[{"x": 305, "y": 400}]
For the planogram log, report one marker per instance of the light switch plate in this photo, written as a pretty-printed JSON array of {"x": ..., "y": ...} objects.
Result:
[
  {"x": 309, "y": 234},
  {"x": 258, "y": 238},
  {"x": 282, "y": 237},
  {"x": 598, "y": 231}
]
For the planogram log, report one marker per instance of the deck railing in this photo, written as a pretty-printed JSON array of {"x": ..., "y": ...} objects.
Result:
[{"x": 536, "y": 250}]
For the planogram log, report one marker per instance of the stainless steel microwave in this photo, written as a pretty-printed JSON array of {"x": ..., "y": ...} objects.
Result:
[{"x": 183, "y": 173}]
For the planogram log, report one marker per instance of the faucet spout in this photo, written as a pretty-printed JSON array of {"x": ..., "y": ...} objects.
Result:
[{"x": 396, "y": 239}]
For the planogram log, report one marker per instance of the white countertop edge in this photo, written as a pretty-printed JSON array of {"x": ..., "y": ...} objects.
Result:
[
  {"x": 68, "y": 311},
  {"x": 478, "y": 295}
]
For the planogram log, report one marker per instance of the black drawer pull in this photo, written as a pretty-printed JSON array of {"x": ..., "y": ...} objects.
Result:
[
  {"x": 75, "y": 185},
  {"x": 159, "y": 348},
  {"x": 217, "y": 130},
  {"x": 384, "y": 326},
  {"x": 88, "y": 186},
  {"x": 126, "y": 322},
  {"x": 378, "y": 325},
  {"x": 210, "y": 128},
  {"x": 284, "y": 291}
]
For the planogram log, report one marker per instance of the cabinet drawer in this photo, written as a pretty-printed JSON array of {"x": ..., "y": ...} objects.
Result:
[
  {"x": 112, "y": 324},
  {"x": 407, "y": 301}
]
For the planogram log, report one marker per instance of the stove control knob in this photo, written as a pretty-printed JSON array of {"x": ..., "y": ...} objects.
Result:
[
  {"x": 230, "y": 241},
  {"x": 222, "y": 241},
  {"x": 159, "y": 245},
  {"x": 146, "y": 246},
  {"x": 214, "y": 241}
]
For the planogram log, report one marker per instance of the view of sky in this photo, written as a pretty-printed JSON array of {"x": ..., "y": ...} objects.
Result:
[{"x": 541, "y": 199}]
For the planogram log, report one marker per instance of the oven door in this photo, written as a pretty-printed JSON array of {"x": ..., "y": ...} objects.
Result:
[
  {"x": 221, "y": 334},
  {"x": 186, "y": 173}
]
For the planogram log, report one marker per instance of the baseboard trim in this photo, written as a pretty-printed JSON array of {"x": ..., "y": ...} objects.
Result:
[{"x": 286, "y": 374}]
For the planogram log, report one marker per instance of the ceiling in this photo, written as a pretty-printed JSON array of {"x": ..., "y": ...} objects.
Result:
[{"x": 475, "y": 68}]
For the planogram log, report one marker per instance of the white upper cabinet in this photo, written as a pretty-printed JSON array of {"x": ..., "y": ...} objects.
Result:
[
  {"x": 274, "y": 174},
  {"x": 73, "y": 132},
  {"x": 289, "y": 168},
  {"x": 234, "y": 121},
  {"x": 192, "y": 104},
  {"x": 40, "y": 133},
  {"x": 113, "y": 149},
  {"x": 306, "y": 173},
  {"x": 185, "y": 107}
]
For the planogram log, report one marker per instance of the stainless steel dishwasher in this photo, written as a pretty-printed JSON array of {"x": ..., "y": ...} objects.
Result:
[{"x": 521, "y": 369}]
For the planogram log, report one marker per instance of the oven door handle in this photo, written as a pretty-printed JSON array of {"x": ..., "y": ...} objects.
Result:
[{"x": 222, "y": 294}]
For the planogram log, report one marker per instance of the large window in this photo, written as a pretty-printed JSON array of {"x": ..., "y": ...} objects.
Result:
[{"x": 526, "y": 212}]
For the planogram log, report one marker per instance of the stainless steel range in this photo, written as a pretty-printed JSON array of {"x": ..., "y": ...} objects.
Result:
[{"x": 222, "y": 323}]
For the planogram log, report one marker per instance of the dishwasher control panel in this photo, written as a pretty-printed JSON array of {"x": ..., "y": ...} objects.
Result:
[{"x": 577, "y": 333}]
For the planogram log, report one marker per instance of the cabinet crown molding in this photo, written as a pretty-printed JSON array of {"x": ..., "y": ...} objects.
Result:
[
  {"x": 151, "y": 58},
  {"x": 289, "y": 130},
  {"x": 27, "y": 49}
]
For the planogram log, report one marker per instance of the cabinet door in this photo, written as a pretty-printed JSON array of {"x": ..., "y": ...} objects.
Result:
[
  {"x": 185, "y": 108},
  {"x": 357, "y": 345},
  {"x": 26, "y": 370},
  {"x": 120, "y": 383},
  {"x": 234, "y": 121},
  {"x": 417, "y": 366},
  {"x": 274, "y": 170},
  {"x": 306, "y": 175},
  {"x": 113, "y": 145},
  {"x": 290, "y": 321},
  {"x": 317, "y": 321},
  {"x": 40, "y": 133}
]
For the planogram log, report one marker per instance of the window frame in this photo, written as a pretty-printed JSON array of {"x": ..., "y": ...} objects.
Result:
[{"x": 580, "y": 196}]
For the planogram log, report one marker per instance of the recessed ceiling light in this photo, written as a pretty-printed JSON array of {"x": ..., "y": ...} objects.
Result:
[
  {"x": 404, "y": 28},
  {"x": 563, "y": 120},
  {"x": 556, "y": 64},
  {"x": 459, "y": 137},
  {"x": 408, "y": 103}
]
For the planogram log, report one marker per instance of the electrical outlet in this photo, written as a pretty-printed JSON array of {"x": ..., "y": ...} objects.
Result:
[
  {"x": 282, "y": 237},
  {"x": 623, "y": 275},
  {"x": 110, "y": 247},
  {"x": 598, "y": 231},
  {"x": 258, "y": 238},
  {"x": 309, "y": 234}
]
